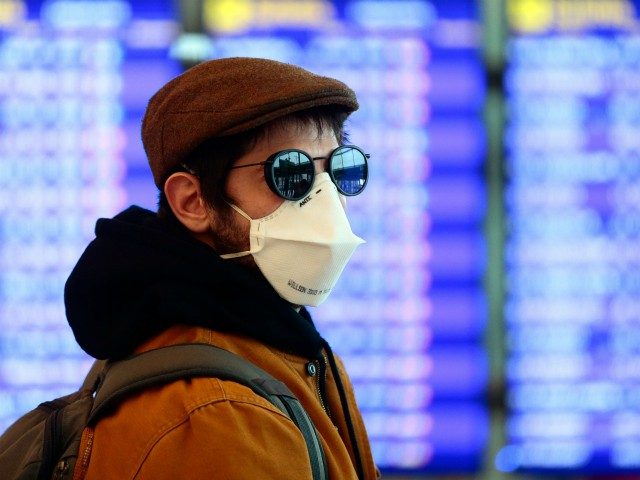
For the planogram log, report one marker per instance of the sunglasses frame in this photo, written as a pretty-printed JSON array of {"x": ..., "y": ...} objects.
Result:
[{"x": 270, "y": 177}]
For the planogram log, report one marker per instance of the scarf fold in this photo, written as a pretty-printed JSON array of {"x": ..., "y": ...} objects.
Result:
[{"x": 143, "y": 274}]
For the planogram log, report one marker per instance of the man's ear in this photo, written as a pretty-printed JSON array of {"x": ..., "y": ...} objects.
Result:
[{"x": 182, "y": 191}]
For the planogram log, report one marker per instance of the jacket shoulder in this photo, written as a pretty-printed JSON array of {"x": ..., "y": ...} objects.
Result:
[{"x": 193, "y": 428}]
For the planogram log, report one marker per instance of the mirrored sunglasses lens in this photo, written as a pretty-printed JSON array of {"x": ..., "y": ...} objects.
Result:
[
  {"x": 292, "y": 174},
  {"x": 349, "y": 170}
]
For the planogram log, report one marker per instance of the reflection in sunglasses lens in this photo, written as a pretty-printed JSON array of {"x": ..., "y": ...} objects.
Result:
[
  {"x": 349, "y": 169},
  {"x": 292, "y": 174}
]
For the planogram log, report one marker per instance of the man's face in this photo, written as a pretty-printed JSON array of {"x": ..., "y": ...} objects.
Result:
[{"x": 248, "y": 189}]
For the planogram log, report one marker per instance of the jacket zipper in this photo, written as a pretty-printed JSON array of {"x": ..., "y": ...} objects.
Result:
[
  {"x": 321, "y": 380},
  {"x": 86, "y": 454}
]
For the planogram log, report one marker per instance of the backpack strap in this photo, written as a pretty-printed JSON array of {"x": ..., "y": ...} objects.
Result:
[
  {"x": 167, "y": 364},
  {"x": 94, "y": 375}
]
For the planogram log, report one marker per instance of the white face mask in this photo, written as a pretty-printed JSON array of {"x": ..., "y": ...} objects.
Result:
[{"x": 303, "y": 247}]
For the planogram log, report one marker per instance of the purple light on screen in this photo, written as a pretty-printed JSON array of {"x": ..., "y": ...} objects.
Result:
[
  {"x": 456, "y": 142},
  {"x": 458, "y": 371},
  {"x": 404, "y": 110},
  {"x": 133, "y": 151},
  {"x": 391, "y": 367},
  {"x": 458, "y": 315},
  {"x": 456, "y": 256},
  {"x": 141, "y": 79},
  {"x": 598, "y": 136},
  {"x": 393, "y": 395},
  {"x": 461, "y": 428},
  {"x": 141, "y": 191},
  {"x": 402, "y": 453},
  {"x": 456, "y": 199},
  {"x": 599, "y": 197},
  {"x": 457, "y": 84}
]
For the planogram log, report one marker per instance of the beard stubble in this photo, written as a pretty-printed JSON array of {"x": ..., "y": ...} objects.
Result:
[{"x": 230, "y": 234}]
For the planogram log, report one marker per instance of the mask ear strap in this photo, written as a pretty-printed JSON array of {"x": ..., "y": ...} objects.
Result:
[
  {"x": 226, "y": 256},
  {"x": 239, "y": 254},
  {"x": 237, "y": 209}
]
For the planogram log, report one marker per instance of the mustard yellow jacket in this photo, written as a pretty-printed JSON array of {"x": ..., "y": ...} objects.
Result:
[{"x": 206, "y": 428}]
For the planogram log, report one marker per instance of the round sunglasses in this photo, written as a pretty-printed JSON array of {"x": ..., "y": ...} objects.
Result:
[{"x": 290, "y": 173}]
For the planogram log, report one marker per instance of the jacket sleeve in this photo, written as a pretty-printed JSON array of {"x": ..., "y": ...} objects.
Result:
[{"x": 230, "y": 440}]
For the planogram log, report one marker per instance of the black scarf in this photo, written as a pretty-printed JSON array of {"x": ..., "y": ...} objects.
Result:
[{"x": 142, "y": 275}]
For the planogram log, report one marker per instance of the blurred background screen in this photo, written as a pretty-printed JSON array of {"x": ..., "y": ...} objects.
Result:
[
  {"x": 573, "y": 248},
  {"x": 408, "y": 316},
  {"x": 75, "y": 77},
  {"x": 532, "y": 368}
]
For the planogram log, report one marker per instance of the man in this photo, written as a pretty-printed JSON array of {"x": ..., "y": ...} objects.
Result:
[{"x": 248, "y": 156}]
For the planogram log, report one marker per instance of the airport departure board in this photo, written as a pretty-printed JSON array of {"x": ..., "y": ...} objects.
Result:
[
  {"x": 75, "y": 77},
  {"x": 409, "y": 313},
  {"x": 573, "y": 250}
]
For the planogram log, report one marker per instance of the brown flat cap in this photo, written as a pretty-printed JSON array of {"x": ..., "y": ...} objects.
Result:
[{"x": 228, "y": 96}]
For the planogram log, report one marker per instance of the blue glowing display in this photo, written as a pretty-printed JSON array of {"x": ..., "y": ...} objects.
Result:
[
  {"x": 71, "y": 99},
  {"x": 573, "y": 256}
]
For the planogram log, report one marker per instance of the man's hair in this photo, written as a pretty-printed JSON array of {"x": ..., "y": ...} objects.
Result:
[{"x": 212, "y": 159}]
